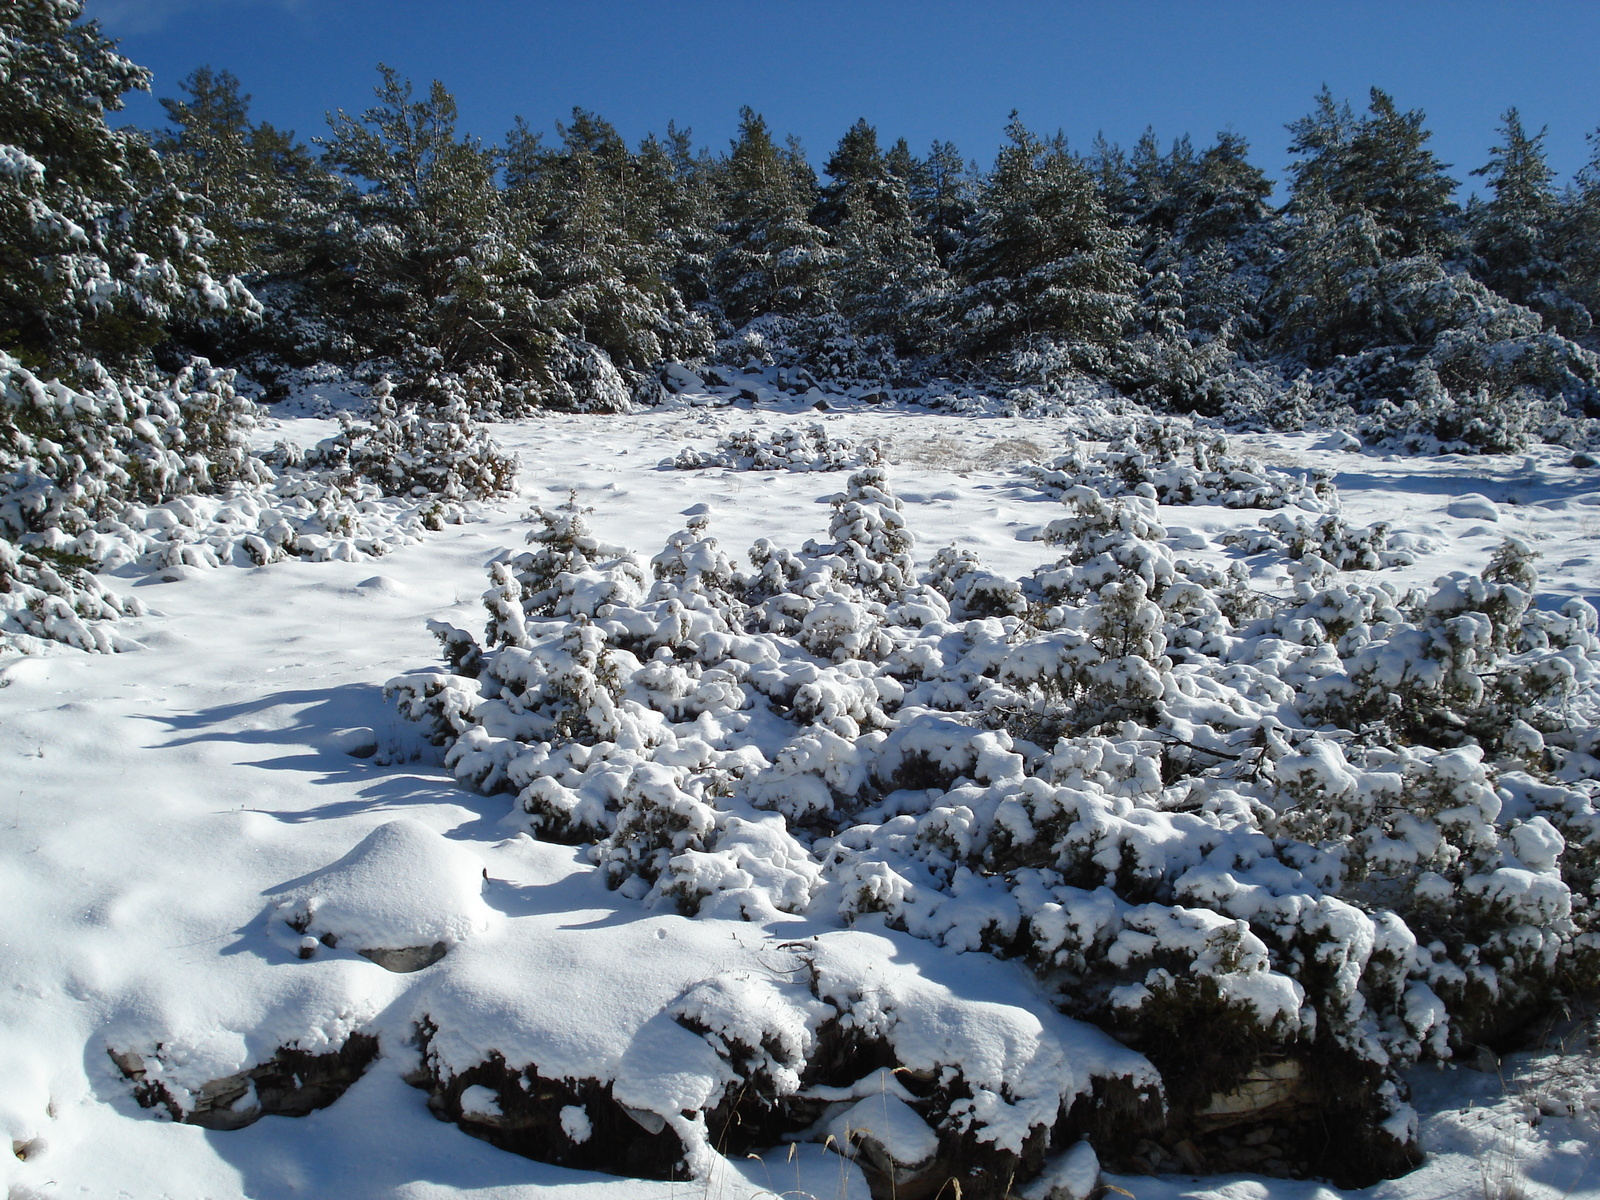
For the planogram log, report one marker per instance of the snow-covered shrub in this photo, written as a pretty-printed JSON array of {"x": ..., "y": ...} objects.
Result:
[
  {"x": 812, "y": 448},
  {"x": 1340, "y": 829},
  {"x": 1174, "y": 463},
  {"x": 75, "y": 461},
  {"x": 50, "y": 597},
  {"x": 1327, "y": 540},
  {"x": 972, "y": 589},
  {"x": 160, "y": 475},
  {"x": 870, "y": 540},
  {"x": 407, "y": 450},
  {"x": 1473, "y": 661},
  {"x": 1104, "y": 656},
  {"x": 582, "y": 378},
  {"x": 1435, "y": 420},
  {"x": 70, "y": 456}
]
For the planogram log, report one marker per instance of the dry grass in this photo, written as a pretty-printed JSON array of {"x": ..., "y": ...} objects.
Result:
[{"x": 945, "y": 453}]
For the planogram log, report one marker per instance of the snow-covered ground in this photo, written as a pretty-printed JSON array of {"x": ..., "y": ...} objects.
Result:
[{"x": 161, "y": 809}]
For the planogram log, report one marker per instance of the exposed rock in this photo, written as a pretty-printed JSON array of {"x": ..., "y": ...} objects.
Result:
[
  {"x": 1272, "y": 1085},
  {"x": 1313, "y": 1115},
  {"x": 292, "y": 1083},
  {"x": 891, "y": 1141},
  {"x": 408, "y": 958},
  {"x": 569, "y": 1122},
  {"x": 678, "y": 378}
]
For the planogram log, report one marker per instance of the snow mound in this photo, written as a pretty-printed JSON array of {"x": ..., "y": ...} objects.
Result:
[
  {"x": 1474, "y": 507},
  {"x": 405, "y": 894}
]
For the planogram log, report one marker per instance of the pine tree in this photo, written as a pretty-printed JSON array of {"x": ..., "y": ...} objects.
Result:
[
  {"x": 1044, "y": 259},
  {"x": 426, "y": 266},
  {"x": 1328, "y": 297},
  {"x": 1225, "y": 241},
  {"x": 774, "y": 260},
  {"x": 1371, "y": 221},
  {"x": 1108, "y": 163},
  {"x": 681, "y": 187},
  {"x": 1368, "y": 279},
  {"x": 1379, "y": 163},
  {"x": 855, "y": 161},
  {"x": 943, "y": 196},
  {"x": 1513, "y": 234},
  {"x": 1577, "y": 232},
  {"x": 265, "y": 193},
  {"x": 1390, "y": 171},
  {"x": 1226, "y": 197},
  {"x": 604, "y": 259},
  {"x": 267, "y": 199},
  {"x": 99, "y": 250},
  {"x": 1158, "y": 185},
  {"x": 885, "y": 276}
]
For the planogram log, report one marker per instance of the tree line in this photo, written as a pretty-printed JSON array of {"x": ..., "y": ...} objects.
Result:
[{"x": 563, "y": 271}]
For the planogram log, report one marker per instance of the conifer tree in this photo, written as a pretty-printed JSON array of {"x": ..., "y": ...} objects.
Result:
[
  {"x": 1369, "y": 277},
  {"x": 943, "y": 196},
  {"x": 99, "y": 250},
  {"x": 1513, "y": 234},
  {"x": 605, "y": 261},
  {"x": 774, "y": 260},
  {"x": 426, "y": 266},
  {"x": 1158, "y": 185},
  {"x": 1372, "y": 219},
  {"x": 885, "y": 274},
  {"x": 265, "y": 193},
  {"x": 268, "y": 199},
  {"x": 681, "y": 189},
  {"x": 1578, "y": 232},
  {"x": 1044, "y": 259},
  {"x": 1380, "y": 163},
  {"x": 1226, "y": 197}
]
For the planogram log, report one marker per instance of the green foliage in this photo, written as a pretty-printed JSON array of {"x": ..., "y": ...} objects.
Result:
[
  {"x": 1514, "y": 234},
  {"x": 774, "y": 258},
  {"x": 1379, "y": 163},
  {"x": 603, "y": 219},
  {"x": 1044, "y": 260},
  {"x": 426, "y": 266},
  {"x": 99, "y": 249},
  {"x": 265, "y": 194}
]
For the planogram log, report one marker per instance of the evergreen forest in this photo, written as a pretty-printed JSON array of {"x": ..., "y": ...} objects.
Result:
[{"x": 562, "y": 272}]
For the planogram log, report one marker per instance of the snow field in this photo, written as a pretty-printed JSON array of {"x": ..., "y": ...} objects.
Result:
[{"x": 175, "y": 808}]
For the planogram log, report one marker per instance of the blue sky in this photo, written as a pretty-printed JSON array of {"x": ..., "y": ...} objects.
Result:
[{"x": 920, "y": 70}]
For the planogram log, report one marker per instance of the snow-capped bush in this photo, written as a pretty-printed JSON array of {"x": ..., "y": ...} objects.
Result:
[
  {"x": 1327, "y": 541},
  {"x": 786, "y": 449},
  {"x": 1340, "y": 829},
  {"x": 160, "y": 476},
  {"x": 1173, "y": 463},
  {"x": 50, "y": 597},
  {"x": 408, "y": 450},
  {"x": 1474, "y": 660},
  {"x": 1435, "y": 420},
  {"x": 71, "y": 456},
  {"x": 75, "y": 462},
  {"x": 972, "y": 589}
]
